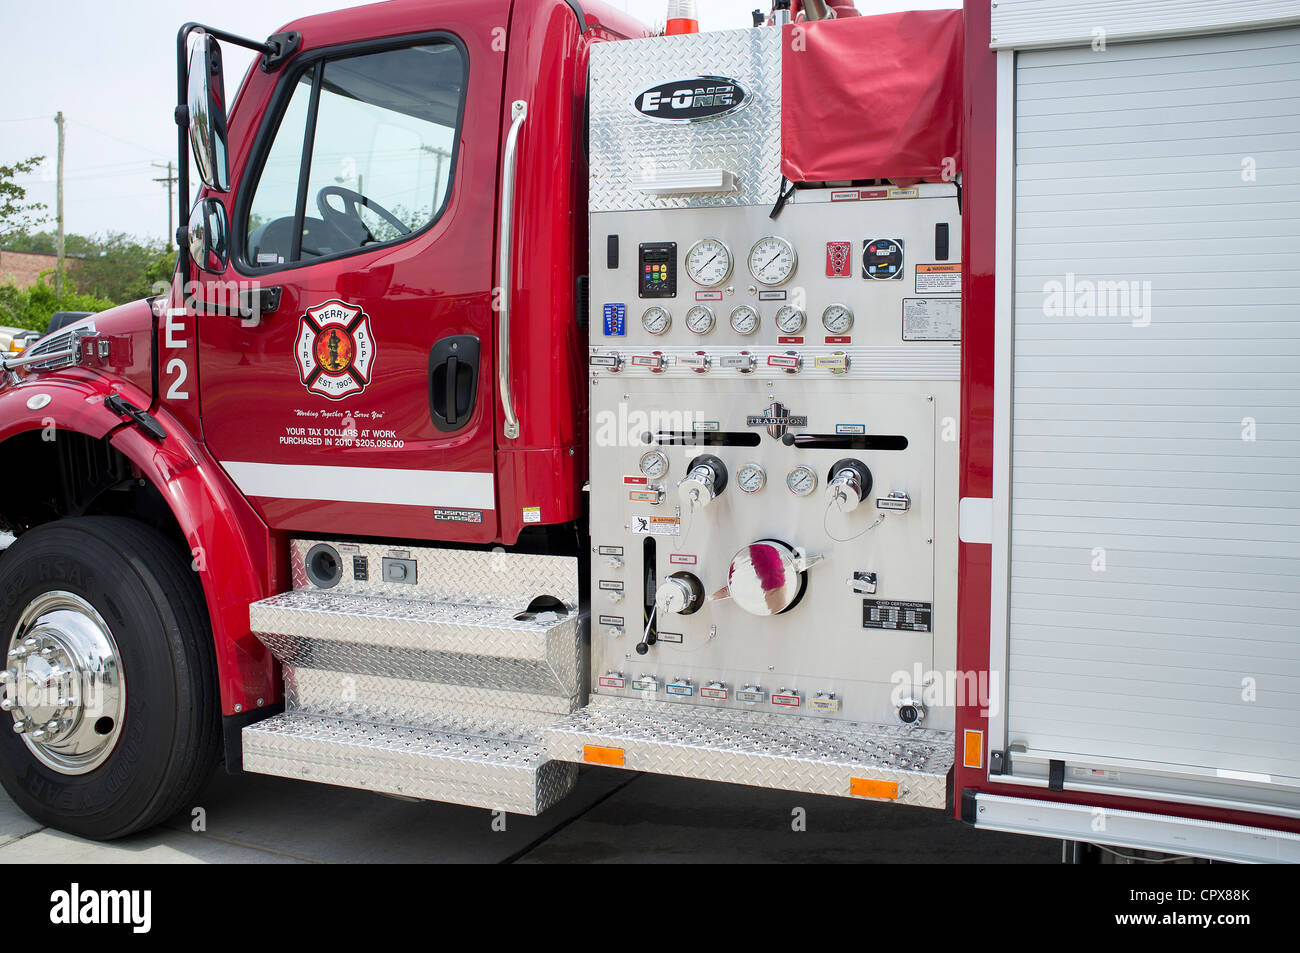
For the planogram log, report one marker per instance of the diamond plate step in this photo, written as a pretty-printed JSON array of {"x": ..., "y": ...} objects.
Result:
[
  {"x": 479, "y": 764},
  {"x": 770, "y": 751},
  {"x": 382, "y": 636}
]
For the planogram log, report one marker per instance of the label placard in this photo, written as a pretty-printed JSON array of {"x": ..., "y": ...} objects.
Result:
[
  {"x": 899, "y": 616},
  {"x": 931, "y": 319}
]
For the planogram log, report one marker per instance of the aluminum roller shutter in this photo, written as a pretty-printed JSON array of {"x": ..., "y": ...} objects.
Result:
[{"x": 1171, "y": 166}]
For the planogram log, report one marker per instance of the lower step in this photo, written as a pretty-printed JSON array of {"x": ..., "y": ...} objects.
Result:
[
  {"x": 490, "y": 766},
  {"x": 876, "y": 762}
]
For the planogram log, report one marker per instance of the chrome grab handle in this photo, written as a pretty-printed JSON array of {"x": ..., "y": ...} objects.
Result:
[{"x": 505, "y": 264}]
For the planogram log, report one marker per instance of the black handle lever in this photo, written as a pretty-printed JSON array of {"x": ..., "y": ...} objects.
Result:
[{"x": 453, "y": 381}]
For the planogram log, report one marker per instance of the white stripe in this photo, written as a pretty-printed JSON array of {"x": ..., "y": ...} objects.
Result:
[{"x": 471, "y": 491}]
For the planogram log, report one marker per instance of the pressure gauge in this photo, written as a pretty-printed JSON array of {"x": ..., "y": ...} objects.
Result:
[
  {"x": 708, "y": 262},
  {"x": 772, "y": 261},
  {"x": 751, "y": 478},
  {"x": 654, "y": 464},
  {"x": 656, "y": 320},
  {"x": 744, "y": 320},
  {"x": 837, "y": 318},
  {"x": 700, "y": 319},
  {"x": 802, "y": 481},
  {"x": 790, "y": 320}
]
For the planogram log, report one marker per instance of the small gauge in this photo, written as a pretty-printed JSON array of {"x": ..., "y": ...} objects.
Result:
[
  {"x": 751, "y": 478},
  {"x": 790, "y": 320},
  {"x": 708, "y": 262},
  {"x": 700, "y": 319},
  {"x": 654, "y": 464},
  {"x": 772, "y": 261},
  {"x": 744, "y": 320},
  {"x": 838, "y": 318},
  {"x": 656, "y": 320},
  {"x": 802, "y": 481}
]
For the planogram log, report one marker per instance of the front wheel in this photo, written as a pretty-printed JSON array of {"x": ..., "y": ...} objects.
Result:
[{"x": 109, "y": 679}]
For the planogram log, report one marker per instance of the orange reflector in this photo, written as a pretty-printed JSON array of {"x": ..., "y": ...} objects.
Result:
[
  {"x": 866, "y": 787},
  {"x": 973, "y": 757},
  {"x": 595, "y": 755}
]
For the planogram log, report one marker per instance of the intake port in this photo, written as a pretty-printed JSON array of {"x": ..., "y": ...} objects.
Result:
[{"x": 323, "y": 566}]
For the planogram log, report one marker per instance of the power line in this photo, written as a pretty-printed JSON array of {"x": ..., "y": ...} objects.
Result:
[{"x": 108, "y": 135}]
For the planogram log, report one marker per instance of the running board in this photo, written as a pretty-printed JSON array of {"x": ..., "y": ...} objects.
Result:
[
  {"x": 480, "y": 765},
  {"x": 874, "y": 762}
]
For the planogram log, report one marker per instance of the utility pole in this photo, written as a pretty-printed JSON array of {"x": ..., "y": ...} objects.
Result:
[
  {"x": 58, "y": 274},
  {"x": 170, "y": 180}
]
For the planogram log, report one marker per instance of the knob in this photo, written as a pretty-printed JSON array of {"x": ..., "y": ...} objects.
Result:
[
  {"x": 704, "y": 482},
  {"x": 681, "y": 593},
  {"x": 848, "y": 485}
]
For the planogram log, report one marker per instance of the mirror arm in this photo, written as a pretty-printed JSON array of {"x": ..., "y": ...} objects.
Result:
[{"x": 274, "y": 51}]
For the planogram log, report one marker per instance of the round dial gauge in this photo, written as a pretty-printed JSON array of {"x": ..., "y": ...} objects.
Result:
[
  {"x": 838, "y": 318},
  {"x": 751, "y": 478},
  {"x": 700, "y": 319},
  {"x": 790, "y": 320},
  {"x": 744, "y": 320},
  {"x": 801, "y": 481},
  {"x": 656, "y": 320},
  {"x": 772, "y": 261},
  {"x": 654, "y": 464},
  {"x": 708, "y": 262}
]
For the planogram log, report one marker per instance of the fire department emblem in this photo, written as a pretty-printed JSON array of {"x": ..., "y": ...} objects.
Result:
[
  {"x": 335, "y": 349},
  {"x": 837, "y": 259}
]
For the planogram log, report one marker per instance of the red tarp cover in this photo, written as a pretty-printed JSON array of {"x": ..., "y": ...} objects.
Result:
[{"x": 872, "y": 98}]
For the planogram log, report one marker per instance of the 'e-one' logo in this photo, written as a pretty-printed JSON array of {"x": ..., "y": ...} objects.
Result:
[{"x": 691, "y": 100}]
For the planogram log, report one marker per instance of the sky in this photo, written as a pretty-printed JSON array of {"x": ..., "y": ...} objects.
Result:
[{"x": 113, "y": 74}]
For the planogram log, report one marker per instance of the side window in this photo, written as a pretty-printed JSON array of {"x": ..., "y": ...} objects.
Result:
[{"x": 376, "y": 137}]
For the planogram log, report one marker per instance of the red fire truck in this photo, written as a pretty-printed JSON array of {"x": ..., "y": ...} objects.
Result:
[{"x": 898, "y": 407}]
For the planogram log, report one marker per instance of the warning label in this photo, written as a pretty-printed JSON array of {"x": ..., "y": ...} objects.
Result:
[
  {"x": 938, "y": 279},
  {"x": 656, "y": 525},
  {"x": 931, "y": 319}
]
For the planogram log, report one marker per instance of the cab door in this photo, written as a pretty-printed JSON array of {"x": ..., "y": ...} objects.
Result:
[{"x": 360, "y": 400}]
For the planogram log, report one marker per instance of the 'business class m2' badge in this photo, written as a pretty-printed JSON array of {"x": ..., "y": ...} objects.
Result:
[{"x": 335, "y": 349}]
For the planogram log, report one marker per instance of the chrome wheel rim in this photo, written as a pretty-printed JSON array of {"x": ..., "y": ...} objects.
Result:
[{"x": 63, "y": 683}]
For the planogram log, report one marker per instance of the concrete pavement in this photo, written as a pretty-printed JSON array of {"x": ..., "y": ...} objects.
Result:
[{"x": 612, "y": 817}]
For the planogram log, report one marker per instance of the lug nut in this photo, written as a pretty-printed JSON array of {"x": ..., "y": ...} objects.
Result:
[
  {"x": 38, "y": 734},
  {"x": 7, "y": 676},
  {"x": 20, "y": 727},
  {"x": 7, "y": 704},
  {"x": 47, "y": 651},
  {"x": 17, "y": 652}
]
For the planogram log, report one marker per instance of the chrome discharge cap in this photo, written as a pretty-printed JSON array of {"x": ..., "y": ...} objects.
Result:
[{"x": 766, "y": 577}]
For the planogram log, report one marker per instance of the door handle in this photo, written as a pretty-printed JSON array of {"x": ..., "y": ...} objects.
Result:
[
  {"x": 505, "y": 264},
  {"x": 453, "y": 381}
]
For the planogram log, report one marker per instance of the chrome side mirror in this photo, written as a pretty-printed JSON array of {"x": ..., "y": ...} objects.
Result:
[
  {"x": 206, "y": 101},
  {"x": 209, "y": 236}
]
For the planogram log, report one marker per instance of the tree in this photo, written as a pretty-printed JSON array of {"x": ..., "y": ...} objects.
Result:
[{"x": 16, "y": 213}]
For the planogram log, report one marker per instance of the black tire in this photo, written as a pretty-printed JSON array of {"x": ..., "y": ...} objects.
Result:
[{"x": 142, "y": 585}]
